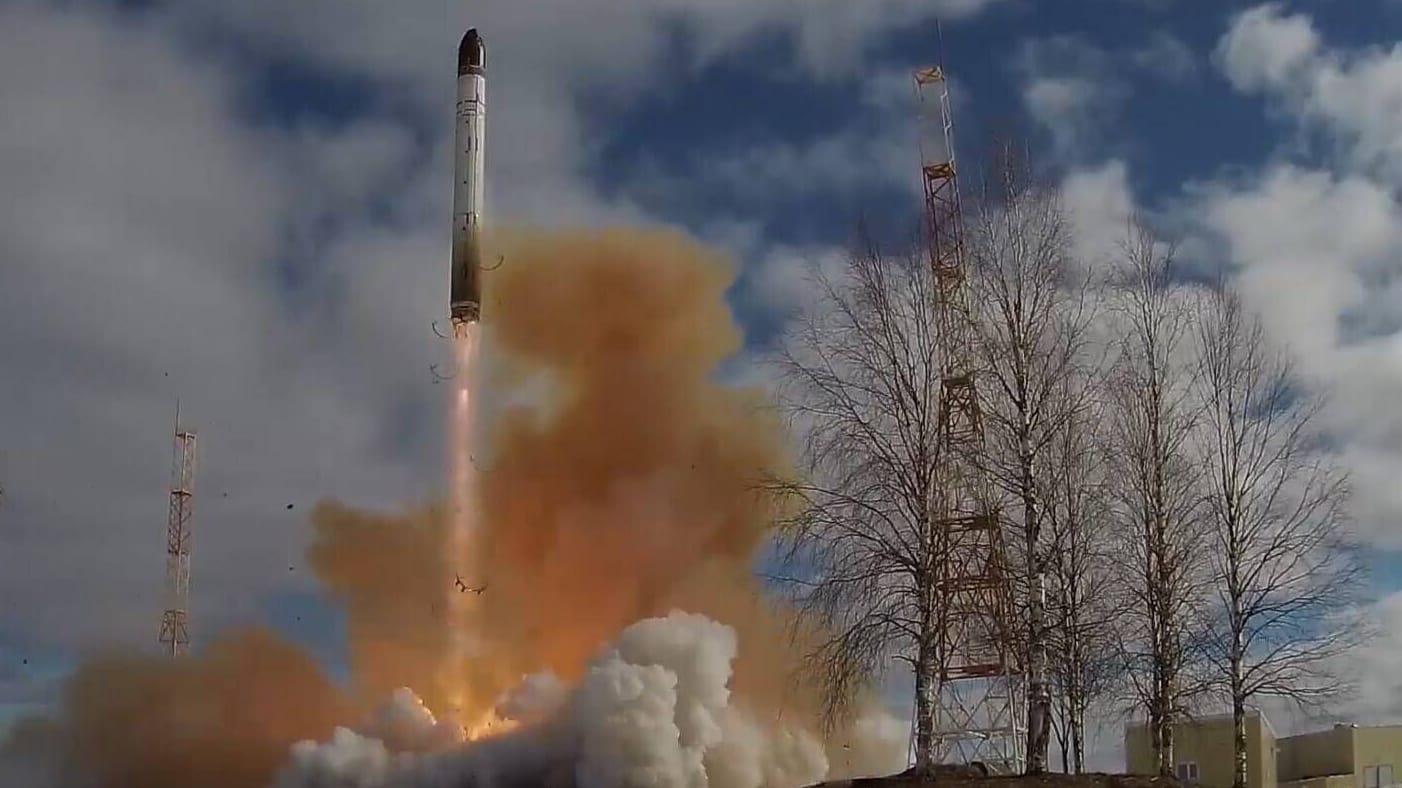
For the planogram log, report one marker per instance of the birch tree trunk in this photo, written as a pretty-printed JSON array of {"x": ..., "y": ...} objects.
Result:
[
  {"x": 1031, "y": 319},
  {"x": 1238, "y": 727},
  {"x": 926, "y": 696},
  {"x": 1157, "y": 491}
]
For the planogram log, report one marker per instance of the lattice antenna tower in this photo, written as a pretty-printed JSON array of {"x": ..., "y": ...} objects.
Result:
[
  {"x": 175, "y": 621},
  {"x": 978, "y": 711}
]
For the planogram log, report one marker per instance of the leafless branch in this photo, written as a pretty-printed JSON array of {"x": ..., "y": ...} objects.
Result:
[
  {"x": 1034, "y": 314},
  {"x": 1154, "y": 498},
  {"x": 860, "y": 380},
  {"x": 1283, "y": 571}
]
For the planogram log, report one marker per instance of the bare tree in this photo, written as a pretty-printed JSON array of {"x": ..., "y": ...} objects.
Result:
[
  {"x": 1156, "y": 495},
  {"x": 1285, "y": 575},
  {"x": 860, "y": 376},
  {"x": 1032, "y": 323},
  {"x": 1084, "y": 665}
]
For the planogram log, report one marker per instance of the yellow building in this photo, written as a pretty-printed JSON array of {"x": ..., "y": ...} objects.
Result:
[
  {"x": 1345, "y": 756},
  {"x": 1202, "y": 751}
]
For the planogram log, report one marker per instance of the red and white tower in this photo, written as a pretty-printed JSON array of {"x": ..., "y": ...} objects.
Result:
[
  {"x": 977, "y": 713},
  {"x": 175, "y": 622}
]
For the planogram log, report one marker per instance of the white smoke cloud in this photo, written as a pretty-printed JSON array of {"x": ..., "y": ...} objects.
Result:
[
  {"x": 747, "y": 755},
  {"x": 653, "y": 710},
  {"x": 349, "y": 760},
  {"x": 405, "y": 723},
  {"x": 538, "y": 697}
]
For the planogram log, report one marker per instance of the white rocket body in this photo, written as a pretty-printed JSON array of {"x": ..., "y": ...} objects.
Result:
[{"x": 469, "y": 192}]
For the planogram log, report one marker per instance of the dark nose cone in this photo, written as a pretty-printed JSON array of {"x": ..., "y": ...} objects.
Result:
[{"x": 472, "y": 55}]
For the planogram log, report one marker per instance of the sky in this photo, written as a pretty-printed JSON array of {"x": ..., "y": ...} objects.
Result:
[{"x": 245, "y": 206}]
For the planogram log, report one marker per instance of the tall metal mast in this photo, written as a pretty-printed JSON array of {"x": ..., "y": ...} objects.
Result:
[
  {"x": 175, "y": 622},
  {"x": 978, "y": 710}
]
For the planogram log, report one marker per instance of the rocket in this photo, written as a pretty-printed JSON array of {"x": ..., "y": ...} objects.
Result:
[{"x": 465, "y": 297}]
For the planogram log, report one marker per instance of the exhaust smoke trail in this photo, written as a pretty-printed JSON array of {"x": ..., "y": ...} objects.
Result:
[
  {"x": 462, "y": 549},
  {"x": 463, "y": 598}
]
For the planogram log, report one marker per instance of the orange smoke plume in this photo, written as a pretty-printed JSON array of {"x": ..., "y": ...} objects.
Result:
[
  {"x": 634, "y": 489},
  {"x": 645, "y": 468},
  {"x": 223, "y": 720}
]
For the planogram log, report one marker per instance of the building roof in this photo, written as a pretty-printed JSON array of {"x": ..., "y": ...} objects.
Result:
[{"x": 1212, "y": 719}]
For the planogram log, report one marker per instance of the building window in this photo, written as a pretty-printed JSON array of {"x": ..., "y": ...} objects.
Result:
[
  {"x": 1187, "y": 772},
  {"x": 1377, "y": 776}
]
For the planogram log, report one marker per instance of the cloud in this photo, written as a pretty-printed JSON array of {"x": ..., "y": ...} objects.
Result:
[
  {"x": 543, "y": 59},
  {"x": 1071, "y": 89},
  {"x": 1314, "y": 252},
  {"x": 1167, "y": 57},
  {"x": 1074, "y": 89},
  {"x": 1304, "y": 240},
  {"x": 1264, "y": 48},
  {"x": 1353, "y": 97},
  {"x": 135, "y": 270},
  {"x": 1099, "y": 203},
  {"x": 1378, "y": 698},
  {"x": 1314, "y": 242},
  {"x": 1309, "y": 248},
  {"x": 617, "y": 45},
  {"x": 780, "y": 283},
  {"x": 872, "y": 150},
  {"x": 1376, "y": 695}
]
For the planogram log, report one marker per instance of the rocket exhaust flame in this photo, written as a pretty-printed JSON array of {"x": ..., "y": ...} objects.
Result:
[{"x": 463, "y": 544}]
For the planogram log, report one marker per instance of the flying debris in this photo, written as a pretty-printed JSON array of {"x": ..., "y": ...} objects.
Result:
[
  {"x": 464, "y": 588},
  {"x": 469, "y": 169}
]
